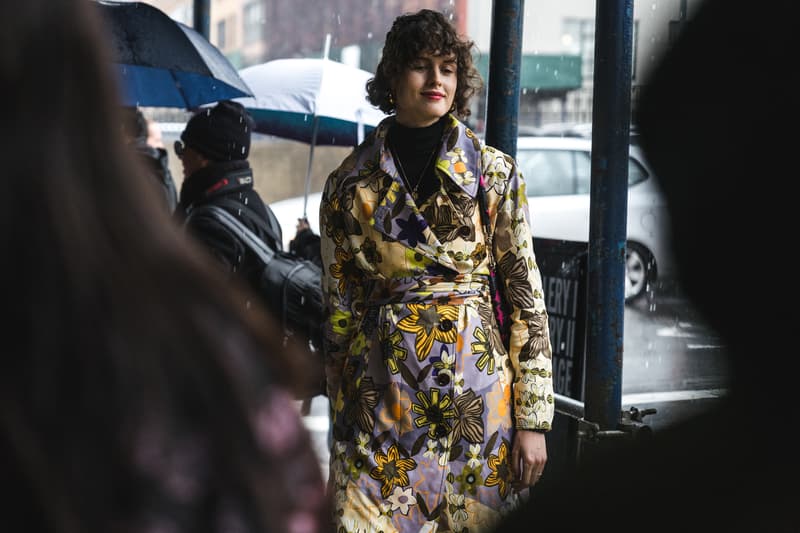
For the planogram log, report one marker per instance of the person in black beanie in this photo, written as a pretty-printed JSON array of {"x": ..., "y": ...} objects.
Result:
[{"x": 213, "y": 150}]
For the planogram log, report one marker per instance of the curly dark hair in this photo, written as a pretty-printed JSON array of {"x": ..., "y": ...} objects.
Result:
[{"x": 413, "y": 35}]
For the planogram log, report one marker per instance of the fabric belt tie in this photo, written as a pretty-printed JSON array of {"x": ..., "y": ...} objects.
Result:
[{"x": 436, "y": 290}]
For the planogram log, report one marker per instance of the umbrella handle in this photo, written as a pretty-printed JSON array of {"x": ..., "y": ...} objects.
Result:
[{"x": 310, "y": 160}]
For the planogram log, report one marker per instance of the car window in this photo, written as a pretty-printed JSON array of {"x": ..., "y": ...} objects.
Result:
[
  {"x": 636, "y": 172},
  {"x": 559, "y": 172},
  {"x": 554, "y": 172}
]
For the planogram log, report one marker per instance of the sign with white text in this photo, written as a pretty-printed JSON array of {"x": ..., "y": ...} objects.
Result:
[{"x": 563, "y": 268}]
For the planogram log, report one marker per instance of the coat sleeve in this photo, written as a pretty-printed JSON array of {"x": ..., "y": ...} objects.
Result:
[
  {"x": 340, "y": 288},
  {"x": 529, "y": 347}
]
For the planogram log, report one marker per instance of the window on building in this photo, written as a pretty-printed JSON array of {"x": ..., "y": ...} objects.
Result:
[
  {"x": 578, "y": 34},
  {"x": 221, "y": 37},
  {"x": 253, "y": 21}
]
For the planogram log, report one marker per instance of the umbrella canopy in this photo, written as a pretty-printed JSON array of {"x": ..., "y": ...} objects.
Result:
[
  {"x": 316, "y": 101},
  {"x": 164, "y": 63}
]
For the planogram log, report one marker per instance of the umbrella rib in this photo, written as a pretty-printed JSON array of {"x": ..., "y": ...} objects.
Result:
[{"x": 179, "y": 85}]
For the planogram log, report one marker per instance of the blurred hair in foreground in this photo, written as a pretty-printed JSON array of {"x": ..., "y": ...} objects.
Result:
[{"x": 136, "y": 394}]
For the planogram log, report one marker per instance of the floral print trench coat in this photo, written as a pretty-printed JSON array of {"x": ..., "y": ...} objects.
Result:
[{"x": 424, "y": 397}]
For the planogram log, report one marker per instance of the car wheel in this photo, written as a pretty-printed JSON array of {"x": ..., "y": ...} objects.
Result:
[{"x": 640, "y": 270}]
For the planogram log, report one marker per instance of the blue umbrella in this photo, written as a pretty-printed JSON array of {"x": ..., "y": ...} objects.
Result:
[{"x": 164, "y": 63}]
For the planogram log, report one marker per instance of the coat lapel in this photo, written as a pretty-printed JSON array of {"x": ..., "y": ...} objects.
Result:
[{"x": 396, "y": 215}]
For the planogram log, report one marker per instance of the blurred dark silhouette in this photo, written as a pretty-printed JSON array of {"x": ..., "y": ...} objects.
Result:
[
  {"x": 306, "y": 243},
  {"x": 711, "y": 120},
  {"x": 136, "y": 395},
  {"x": 137, "y": 131}
]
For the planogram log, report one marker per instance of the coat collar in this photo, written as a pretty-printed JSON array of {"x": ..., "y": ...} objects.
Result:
[
  {"x": 214, "y": 180},
  {"x": 396, "y": 214}
]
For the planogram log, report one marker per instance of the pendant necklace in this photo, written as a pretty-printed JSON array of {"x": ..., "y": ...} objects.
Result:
[{"x": 403, "y": 175}]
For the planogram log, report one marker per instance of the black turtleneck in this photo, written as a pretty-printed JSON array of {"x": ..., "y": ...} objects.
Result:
[{"x": 414, "y": 148}]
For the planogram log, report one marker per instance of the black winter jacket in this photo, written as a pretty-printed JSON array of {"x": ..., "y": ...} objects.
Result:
[
  {"x": 221, "y": 184},
  {"x": 306, "y": 245},
  {"x": 155, "y": 161}
]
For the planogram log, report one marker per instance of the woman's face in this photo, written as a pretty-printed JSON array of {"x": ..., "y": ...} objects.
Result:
[{"x": 425, "y": 91}]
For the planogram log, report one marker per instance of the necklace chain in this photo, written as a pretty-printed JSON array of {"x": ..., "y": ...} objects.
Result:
[{"x": 402, "y": 171}]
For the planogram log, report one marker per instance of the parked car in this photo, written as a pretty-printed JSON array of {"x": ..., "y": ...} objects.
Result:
[
  {"x": 557, "y": 172},
  {"x": 557, "y": 177}
]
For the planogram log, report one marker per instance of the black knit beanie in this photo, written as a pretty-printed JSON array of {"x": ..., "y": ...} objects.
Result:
[{"x": 220, "y": 133}]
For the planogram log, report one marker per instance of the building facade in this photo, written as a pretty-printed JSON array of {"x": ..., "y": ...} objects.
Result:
[{"x": 557, "y": 69}]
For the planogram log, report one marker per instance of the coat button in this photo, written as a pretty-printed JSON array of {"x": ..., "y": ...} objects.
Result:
[
  {"x": 443, "y": 379},
  {"x": 446, "y": 324}
]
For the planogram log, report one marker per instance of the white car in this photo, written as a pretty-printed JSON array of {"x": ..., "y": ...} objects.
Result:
[{"x": 557, "y": 175}]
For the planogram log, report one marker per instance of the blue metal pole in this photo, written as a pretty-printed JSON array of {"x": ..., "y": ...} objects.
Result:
[
  {"x": 202, "y": 20},
  {"x": 502, "y": 101},
  {"x": 608, "y": 211}
]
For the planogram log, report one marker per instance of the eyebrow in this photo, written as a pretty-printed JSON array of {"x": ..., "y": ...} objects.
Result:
[{"x": 448, "y": 58}]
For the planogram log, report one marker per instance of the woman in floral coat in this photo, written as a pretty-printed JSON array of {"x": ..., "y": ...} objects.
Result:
[{"x": 436, "y": 425}]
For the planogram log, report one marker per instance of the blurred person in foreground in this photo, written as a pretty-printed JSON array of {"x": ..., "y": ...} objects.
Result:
[
  {"x": 137, "y": 130},
  {"x": 437, "y": 426},
  {"x": 733, "y": 467},
  {"x": 135, "y": 394}
]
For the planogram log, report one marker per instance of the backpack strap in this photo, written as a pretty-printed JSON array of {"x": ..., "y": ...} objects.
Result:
[
  {"x": 271, "y": 226},
  {"x": 250, "y": 239}
]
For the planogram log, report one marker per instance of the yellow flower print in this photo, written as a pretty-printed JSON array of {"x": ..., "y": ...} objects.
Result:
[
  {"x": 394, "y": 350},
  {"x": 501, "y": 472},
  {"x": 434, "y": 411},
  {"x": 430, "y": 323},
  {"x": 344, "y": 269},
  {"x": 391, "y": 470},
  {"x": 341, "y": 321},
  {"x": 337, "y": 220},
  {"x": 484, "y": 349},
  {"x": 391, "y": 194}
]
